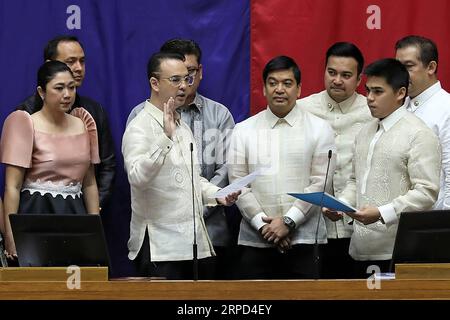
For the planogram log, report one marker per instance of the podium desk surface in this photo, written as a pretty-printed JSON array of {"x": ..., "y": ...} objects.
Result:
[{"x": 228, "y": 290}]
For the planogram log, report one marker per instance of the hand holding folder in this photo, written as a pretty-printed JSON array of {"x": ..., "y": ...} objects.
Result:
[{"x": 323, "y": 199}]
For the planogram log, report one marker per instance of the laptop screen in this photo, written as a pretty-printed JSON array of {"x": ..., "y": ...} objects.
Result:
[{"x": 49, "y": 240}]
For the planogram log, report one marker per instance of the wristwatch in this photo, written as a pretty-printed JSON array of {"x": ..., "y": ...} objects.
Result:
[{"x": 289, "y": 223}]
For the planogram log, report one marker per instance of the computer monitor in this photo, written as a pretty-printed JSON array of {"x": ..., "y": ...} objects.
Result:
[
  {"x": 50, "y": 240},
  {"x": 422, "y": 237}
]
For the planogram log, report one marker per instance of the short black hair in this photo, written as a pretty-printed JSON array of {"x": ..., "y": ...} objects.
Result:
[
  {"x": 427, "y": 48},
  {"x": 347, "y": 50},
  {"x": 282, "y": 63},
  {"x": 51, "y": 49},
  {"x": 183, "y": 46},
  {"x": 392, "y": 70},
  {"x": 154, "y": 62}
]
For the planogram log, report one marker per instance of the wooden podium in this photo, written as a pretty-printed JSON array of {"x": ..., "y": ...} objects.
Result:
[
  {"x": 424, "y": 281},
  {"x": 52, "y": 274},
  {"x": 433, "y": 271}
]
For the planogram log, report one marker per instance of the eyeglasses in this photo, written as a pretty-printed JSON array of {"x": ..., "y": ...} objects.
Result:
[
  {"x": 177, "y": 80},
  {"x": 192, "y": 72}
]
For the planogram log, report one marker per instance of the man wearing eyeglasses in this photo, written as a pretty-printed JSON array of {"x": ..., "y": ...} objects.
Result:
[
  {"x": 210, "y": 123},
  {"x": 157, "y": 157}
]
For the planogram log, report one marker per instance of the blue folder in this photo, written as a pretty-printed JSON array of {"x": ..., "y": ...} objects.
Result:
[{"x": 327, "y": 201}]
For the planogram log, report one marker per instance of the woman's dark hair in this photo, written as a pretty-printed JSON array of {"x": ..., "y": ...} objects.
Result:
[{"x": 45, "y": 74}]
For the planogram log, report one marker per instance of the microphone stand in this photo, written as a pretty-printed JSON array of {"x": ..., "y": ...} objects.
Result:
[
  {"x": 316, "y": 245},
  {"x": 3, "y": 260},
  {"x": 194, "y": 244}
]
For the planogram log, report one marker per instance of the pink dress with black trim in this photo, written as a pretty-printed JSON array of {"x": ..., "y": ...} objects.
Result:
[{"x": 56, "y": 164}]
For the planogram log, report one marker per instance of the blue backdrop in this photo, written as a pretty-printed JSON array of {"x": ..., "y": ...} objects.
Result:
[{"x": 118, "y": 37}]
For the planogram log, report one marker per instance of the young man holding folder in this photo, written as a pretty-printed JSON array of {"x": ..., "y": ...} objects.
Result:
[{"x": 396, "y": 167}]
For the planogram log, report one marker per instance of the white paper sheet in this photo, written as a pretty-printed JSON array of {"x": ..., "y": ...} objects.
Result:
[{"x": 237, "y": 185}]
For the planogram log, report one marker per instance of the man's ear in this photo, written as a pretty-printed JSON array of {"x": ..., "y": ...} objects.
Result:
[
  {"x": 154, "y": 84},
  {"x": 299, "y": 90},
  {"x": 401, "y": 94},
  {"x": 200, "y": 71},
  {"x": 358, "y": 80},
  {"x": 432, "y": 67}
]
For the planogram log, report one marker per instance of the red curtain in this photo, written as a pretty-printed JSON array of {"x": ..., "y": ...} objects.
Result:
[{"x": 304, "y": 29}]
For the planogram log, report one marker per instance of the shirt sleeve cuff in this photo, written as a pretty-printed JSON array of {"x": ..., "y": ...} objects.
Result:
[
  {"x": 165, "y": 144},
  {"x": 388, "y": 214},
  {"x": 257, "y": 221},
  {"x": 210, "y": 200},
  {"x": 295, "y": 214}
]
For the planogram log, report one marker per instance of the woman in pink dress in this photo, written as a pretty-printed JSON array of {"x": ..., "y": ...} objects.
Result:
[{"x": 49, "y": 155}]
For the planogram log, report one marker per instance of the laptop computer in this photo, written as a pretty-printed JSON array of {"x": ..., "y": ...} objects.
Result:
[
  {"x": 49, "y": 240},
  {"x": 422, "y": 237}
]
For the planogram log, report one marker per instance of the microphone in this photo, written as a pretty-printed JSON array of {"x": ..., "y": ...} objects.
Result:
[
  {"x": 316, "y": 245},
  {"x": 194, "y": 244}
]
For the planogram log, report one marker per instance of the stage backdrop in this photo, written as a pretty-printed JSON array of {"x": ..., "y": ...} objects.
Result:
[
  {"x": 305, "y": 29},
  {"x": 118, "y": 38},
  {"x": 120, "y": 35}
]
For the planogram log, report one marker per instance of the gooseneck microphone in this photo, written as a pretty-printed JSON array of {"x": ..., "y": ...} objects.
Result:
[
  {"x": 194, "y": 244},
  {"x": 316, "y": 245}
]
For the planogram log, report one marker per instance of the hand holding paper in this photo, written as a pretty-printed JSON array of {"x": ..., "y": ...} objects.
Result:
[
  {"x": 237, "y": 185},
  {"x": 230, "y": 199}
]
